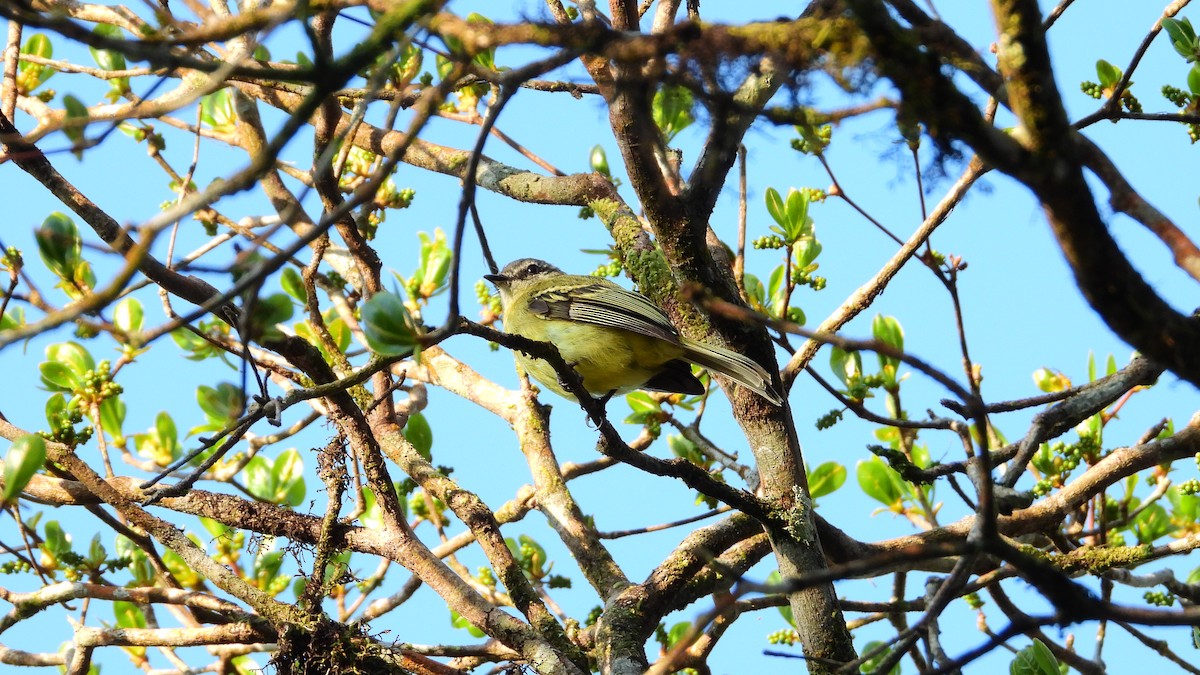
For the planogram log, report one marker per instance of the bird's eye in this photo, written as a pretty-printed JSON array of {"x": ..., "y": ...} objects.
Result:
[{"x": 533, "y": 268}]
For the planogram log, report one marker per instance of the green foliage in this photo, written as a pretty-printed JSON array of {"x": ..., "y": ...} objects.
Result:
[
  {"x": 160, "y": 443},
  {"x": 293, "y": 284},
  {"x": 871, "y": 665},
  {"x": 1152, "y": 524},
  {"x": 24, "y": 458},
  {"x": 197, "y": 348},
  {"x": 418, "y": 432},
  {"x": 280, "y": 481},
  {"x": 60, "y": 248},
  {"x": 646, "y": 409},
  {"x": 672, "y": 110},
  {"x": 887, "y": 330},
  {"x": 430, "y": 277},
  {"x": 338, "y": 331},
  {"x": 110, "y": 59},
  {"x": 457, "y": 621},
  {"x": 530, "y": 556},
  {"x": 882, "y": 483},
  {"x": 217, "y": 111},
  {"x": 221, "y": 405},
  {"x": 813, "y": 138},
  {"x": 265, "y": 573},
  {"x": 599, "y": 161},
  {"x": 793, "y": 231},
  {"x": 1183, "y": 38},
  {"x": 1036, "y": 659},
  {"x": 31, "y": 75},
  {"x": 388, "y": 326},
  {"x": 1051, "y": 381},
  {"x": 826, "y": 479}
]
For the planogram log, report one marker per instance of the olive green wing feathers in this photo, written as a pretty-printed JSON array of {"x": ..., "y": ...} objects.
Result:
[{"x": 605, "y": 304}]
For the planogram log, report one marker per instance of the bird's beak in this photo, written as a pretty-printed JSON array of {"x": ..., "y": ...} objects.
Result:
[{"x": 496, "y": 279}]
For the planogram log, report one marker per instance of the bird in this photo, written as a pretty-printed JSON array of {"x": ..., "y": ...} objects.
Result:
[{"x": 616, "y": 339}]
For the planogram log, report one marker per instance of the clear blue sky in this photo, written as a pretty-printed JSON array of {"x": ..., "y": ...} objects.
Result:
[{"x": 1023, "y": 311}]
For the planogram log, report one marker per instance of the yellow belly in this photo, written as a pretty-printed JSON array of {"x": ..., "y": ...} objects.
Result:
[{"x": 608, "y": 359}]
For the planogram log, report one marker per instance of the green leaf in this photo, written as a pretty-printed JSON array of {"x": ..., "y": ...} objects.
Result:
[
  {"x": 644, "y": 408},
  {"x": 13, "y": 317},
  {"x": 677, "y": 633},
  {"x": 775, "y": 207},
  {"x": 288, "y": 476},
  {"x": 59, "y": 245},
  {"x": 164, "y": 426},
  {"x": 128, "y": 315},
  {"x": 112, "y": 416},
  {"x": 845, "y": 365},
  {"x": 533, "y": 556},
  {"x": 293, "y": 284},
  {"x": 1183, "y": 37},
  {"x": 777, "y": 289},
  {"x": 37, "y": 45},
  {"x": 756, "y": 292},
  {"x": 417, "y": 431},
  {"x": 1152, "y": 524},
  {"x": 1193, "y": 79},
  {"x": 1179, "y": 30},
  {"x": 76, "y": 120},
  {"x": 216, "y": 110},
  {"x": 25, "y": 456},
  {"x": 128, "y": 614},
  {"x": 1185, "y": 508},
  {"x": 96, "y": 553},
  {"x": 54, "y": 539},
  {"x": 685, "y": 449},
  {"x": 221, "y": 405},
  {"x": 457, "y": 621},
  {"x": 806, "y": 250},
  {"x": 56, "y": 408},
  {"x": 266, "y": 569},
  {"x": 887, "y": 330},
  {"x": 672, "y": 110},
  {"x": 30, "y": 75},
  {"x": 187, "y": 577},
  {"x": 1109, "y": 74},
  {"x": 599, "y": 161},
  {"x": 161, "y": 443},
  {"x": 259, "y": 479},
  {"x": 880, "y": 482},
  {"x": 797, "y": 215},
  {"x": 111, "y": 59},
  {"x": 388, "y": 326},
  {"x": 1050, "y": 381},
  {"x": 73, "y": 355},
  {"x": 870, "y": 666},
  {"x": 1036, "y": 659},
  {"x": 58, "y": 377},
  {"x": 139, "y": 565},
  {"x": 826, "y": 479},
  {"x": 269, "y": 311},
  {"x": 216, "y": 528}
]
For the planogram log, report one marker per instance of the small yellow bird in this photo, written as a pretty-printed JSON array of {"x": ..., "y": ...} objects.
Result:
[{"x": 617, "y": 340}]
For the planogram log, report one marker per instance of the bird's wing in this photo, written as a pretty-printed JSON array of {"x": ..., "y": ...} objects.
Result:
[{"x": 605, "y": 304}]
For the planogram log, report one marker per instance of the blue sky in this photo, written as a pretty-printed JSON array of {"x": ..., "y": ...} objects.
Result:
[{"x": 1022, "y": 311}]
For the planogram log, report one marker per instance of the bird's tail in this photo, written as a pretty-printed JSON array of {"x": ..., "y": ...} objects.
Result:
[{"x": 739, "y": 368}]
